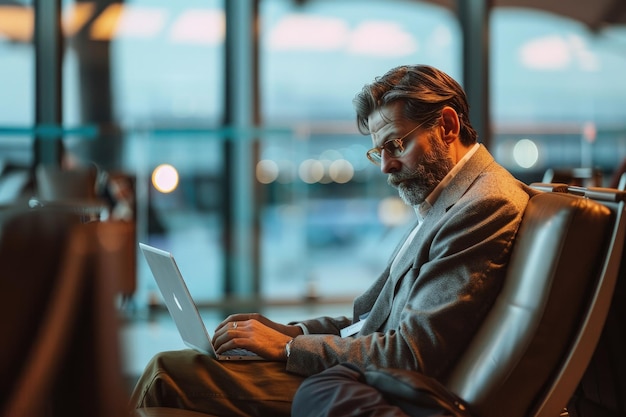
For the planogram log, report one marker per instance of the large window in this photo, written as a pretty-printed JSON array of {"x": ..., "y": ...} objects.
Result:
[
  {"x": 150, "y": 76},
  {"x": 329, "y": 220},
  {"x": 17, "y": 97},
  {"x": 558, "y": 97}
]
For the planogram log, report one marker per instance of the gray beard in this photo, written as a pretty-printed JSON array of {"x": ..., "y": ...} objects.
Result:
[{"x": 415, "y": 185}]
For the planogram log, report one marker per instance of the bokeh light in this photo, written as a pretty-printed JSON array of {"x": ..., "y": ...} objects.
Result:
[
  {"x": 392, "y": 211},
  {"x": 311, "y": 171},
  {"x": 341, "y": 171},
  {"x": 526, "y": 153},
  {"x": 267, "y": 171},
  {"x": 165, "y": 178}
]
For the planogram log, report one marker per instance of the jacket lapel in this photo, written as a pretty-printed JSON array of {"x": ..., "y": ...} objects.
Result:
[
  {"x": 383, "y": 291},
  {"x": 449, "y": 196}
]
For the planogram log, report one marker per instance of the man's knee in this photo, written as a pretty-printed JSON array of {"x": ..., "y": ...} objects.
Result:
[
  {"x": 338, "y": 391},
  {"x": 156, "y": 386}
]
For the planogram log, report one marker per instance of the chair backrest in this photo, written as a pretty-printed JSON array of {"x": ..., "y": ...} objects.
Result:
[
  {"x": 534, "y": 346},
  {"x": 60, "y": 348},
  {"x": 55, "y": 183},
  {"x": 602, "y": 388},
  {"x": 69, "y": 189},
  {"x": 574, "y": 176}
]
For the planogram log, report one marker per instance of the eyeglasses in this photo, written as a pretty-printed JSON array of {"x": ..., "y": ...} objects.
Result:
[{"x": 394, "y": 147}]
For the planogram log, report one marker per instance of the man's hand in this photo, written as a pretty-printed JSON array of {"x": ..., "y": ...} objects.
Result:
[{"x": 255, "y": 333}]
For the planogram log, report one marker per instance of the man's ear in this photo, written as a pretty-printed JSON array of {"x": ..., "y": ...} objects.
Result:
[{"x": 450, "y": 124}]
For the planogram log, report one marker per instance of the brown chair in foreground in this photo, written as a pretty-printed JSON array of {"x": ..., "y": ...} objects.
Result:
[{"x": 60, "y": 353}]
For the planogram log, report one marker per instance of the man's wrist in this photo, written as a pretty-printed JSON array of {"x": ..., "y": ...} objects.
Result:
[{"x": 305, "y": 330}]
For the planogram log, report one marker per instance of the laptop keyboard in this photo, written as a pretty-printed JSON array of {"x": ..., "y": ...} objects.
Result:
[{"x": 238, "y": 352}]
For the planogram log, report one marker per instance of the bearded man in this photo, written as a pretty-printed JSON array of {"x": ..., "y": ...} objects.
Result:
[{"x": 426, "y": 304}]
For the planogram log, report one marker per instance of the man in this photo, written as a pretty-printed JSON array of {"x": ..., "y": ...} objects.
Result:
[{"x": 425, "y": 306}]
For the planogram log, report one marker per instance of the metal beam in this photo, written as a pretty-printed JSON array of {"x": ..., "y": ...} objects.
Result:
[
  {"x": 48, "y": 81},
  {"x": 96, "y": 94},
  {"x": 241, "y": 277},
  {"x": 474, "y": 19},
  {"x": 615, "y": 13}
]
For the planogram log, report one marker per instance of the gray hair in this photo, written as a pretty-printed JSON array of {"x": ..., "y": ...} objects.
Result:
[{"x": 423, "y": 89}]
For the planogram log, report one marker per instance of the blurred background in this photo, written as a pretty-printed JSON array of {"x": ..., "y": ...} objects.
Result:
[{"x": 223, "y": 130}]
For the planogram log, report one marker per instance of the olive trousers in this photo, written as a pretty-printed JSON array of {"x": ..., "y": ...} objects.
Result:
[{"x": 191, "y": 380}]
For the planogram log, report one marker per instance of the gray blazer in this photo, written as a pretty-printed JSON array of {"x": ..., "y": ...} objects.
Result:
[{"x": 425, "y": 313}]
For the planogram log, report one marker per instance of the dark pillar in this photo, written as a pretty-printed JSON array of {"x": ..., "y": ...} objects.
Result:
[
  {"x": 48, "y": 86},
  {"x": 96, "y": 99},
  {"x": 241, "y": 277},
  {"x": 474, "y": 18}
]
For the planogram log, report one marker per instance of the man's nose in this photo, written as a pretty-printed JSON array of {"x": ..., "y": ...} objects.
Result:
[{"x": 388, "y": 164}]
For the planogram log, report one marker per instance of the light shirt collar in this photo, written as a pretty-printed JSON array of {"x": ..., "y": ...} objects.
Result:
[{"x": 422, "y": 210}]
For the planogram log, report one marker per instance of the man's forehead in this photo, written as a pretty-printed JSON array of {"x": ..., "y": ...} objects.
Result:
[{"x": 383, "y": 116}]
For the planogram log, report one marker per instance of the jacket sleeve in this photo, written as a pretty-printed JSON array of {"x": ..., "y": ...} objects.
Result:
[
  {"x": 438, "y": 305},
  {"x": 325, "y": 325}
]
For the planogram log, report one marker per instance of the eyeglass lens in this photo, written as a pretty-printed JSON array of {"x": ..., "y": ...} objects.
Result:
[{"x": 393, "y": 147}]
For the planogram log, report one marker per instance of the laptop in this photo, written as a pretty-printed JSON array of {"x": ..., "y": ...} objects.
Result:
[{"x": 182, "y": 307}]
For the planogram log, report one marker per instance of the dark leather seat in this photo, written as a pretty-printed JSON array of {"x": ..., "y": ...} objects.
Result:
[
  {"x": 60, "y": 352},
  {"x": 537, "y": 340},
  {"x": 589, "y": 177},
  {"x": 533, "y": 348}
]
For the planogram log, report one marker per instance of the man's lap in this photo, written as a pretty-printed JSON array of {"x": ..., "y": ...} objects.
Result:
[{"x": 190, "y": 380}]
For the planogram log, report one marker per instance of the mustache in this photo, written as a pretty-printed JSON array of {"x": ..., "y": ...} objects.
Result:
[{"x": 396, "y": 179}]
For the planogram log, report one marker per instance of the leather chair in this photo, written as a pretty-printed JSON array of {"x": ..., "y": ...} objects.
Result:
[
  {"x": 69, "y": 189},
  {"x": 80, "y": 190},
  {"x": 536, "y": 343},
  {"x": 55, "y": 183},
  {"x": 588, "y": 177},
  {"x": 537, "y": 340},
  {"x": 60, "y": 353}
]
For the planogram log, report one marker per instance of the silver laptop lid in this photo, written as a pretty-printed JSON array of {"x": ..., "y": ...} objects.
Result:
[{"x": 178, "y": 299}]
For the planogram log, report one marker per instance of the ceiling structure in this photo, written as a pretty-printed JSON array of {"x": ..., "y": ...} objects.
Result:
[{"x": 595, "y": 14}]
